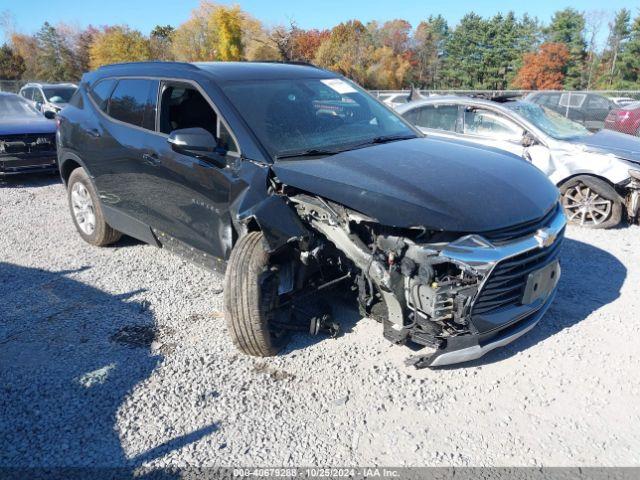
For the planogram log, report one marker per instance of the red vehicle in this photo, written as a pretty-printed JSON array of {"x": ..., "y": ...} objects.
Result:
[{"x": 625, "y": 119}]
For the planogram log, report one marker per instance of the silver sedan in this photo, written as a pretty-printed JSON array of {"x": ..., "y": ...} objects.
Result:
[{"x": 598, "y": 174}]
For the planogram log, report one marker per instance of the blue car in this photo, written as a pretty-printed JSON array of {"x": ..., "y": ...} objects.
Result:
[{"x": 27, "y": 138}]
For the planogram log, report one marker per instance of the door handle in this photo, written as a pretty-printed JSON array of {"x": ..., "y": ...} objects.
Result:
[
  {"x": 151, "y": 158},
  {"x": 93, "y": 132}
]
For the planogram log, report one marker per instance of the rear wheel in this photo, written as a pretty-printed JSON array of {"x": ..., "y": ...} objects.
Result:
[
  {"x": 251, "y": 299},
  {"x": 591, "y": 202},
  {"x": 86, "y": 211}
]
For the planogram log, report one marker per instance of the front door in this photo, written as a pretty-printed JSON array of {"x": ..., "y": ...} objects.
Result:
[
  {"x": 492, "y": 129},
  {"x": 190, "y": 208}
]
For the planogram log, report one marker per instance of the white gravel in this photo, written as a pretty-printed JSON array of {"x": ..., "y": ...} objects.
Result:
[{"x": 84, "y": 381}]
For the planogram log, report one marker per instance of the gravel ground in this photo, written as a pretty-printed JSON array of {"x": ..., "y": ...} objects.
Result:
[{"x": 120, "y": 356}]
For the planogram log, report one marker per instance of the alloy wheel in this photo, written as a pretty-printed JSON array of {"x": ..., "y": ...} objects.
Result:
[
  {"x": 83, "y": 209},
  {"x": 584, "y": 206}
]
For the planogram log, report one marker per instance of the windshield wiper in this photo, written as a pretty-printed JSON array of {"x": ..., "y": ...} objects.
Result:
[
  {"x": 383, "y": 139},
  {"x": 312, "y": 152}
]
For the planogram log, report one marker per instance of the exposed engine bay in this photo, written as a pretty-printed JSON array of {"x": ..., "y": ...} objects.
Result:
[{"x": 404, "y": 281}]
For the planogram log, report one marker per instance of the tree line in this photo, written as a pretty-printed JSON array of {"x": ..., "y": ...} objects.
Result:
[{"x": 498, "y": 52}]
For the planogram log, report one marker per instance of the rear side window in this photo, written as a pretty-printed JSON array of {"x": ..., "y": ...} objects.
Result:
[
  {"x": 101, "y": 92},
  {"x": 435, "y": 117},
  {"x": 134, "y": 102},
  {"x": 572, "y": 100}
]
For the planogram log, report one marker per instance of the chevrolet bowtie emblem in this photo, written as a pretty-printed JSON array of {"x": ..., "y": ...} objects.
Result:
[{"x": 545, "y": 238}]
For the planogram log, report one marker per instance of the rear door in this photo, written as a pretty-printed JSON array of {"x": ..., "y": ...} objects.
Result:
[
  {"x": 439, "y": 119},
  {"x": 118, "y": 140}
]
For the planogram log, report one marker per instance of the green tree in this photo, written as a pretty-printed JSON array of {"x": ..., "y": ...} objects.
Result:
[
  {"x": 568, "y": 27},
  {"x": 629, "y": 58},
  {"x": 429, "y": 41},
  {"x": 11, "y": 64},
  {"x": 619, "y": 30},
  {"x": 55, "y": 60},
  {"x": 160, "y": 42}
]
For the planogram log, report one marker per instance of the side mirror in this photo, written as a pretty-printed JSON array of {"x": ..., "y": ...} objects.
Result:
[
  {"x": 197, "y": 142},
  {"x": 528, "y": 140},
  {"x": 49, "y": 114}
]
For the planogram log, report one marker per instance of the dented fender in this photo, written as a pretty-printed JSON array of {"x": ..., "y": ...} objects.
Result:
[{"x": 253, "y": 204}]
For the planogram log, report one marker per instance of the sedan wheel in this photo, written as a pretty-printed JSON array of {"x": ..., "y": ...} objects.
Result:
[{"x": 591, "y": 203}]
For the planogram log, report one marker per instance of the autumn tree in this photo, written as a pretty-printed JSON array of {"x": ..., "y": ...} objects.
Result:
[
  {"x": 118, "y": 44},
  {"x": 543, "y": 70},
  {"x": 26, "y": 47},
  {"x": 11, "y": 64},
  {"x": 305, "y": 43},
  {"x": 228, "y": 23},
  {"x": 347, "y": 51},
  {"x": 568, "y": 27}
]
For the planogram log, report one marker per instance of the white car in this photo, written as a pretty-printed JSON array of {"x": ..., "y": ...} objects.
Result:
[
  {"x": 394, "y": 100},
  {"x": 598, "y": 174},
  {"x": 48, "y": 97}
]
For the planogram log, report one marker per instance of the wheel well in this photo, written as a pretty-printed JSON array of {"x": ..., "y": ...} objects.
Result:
[
  {"x": 612, "y": 185},
  {"x": 67, "y": 167}
]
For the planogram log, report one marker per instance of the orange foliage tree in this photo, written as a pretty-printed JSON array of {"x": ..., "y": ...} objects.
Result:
[{"x": 543, "y": 70}]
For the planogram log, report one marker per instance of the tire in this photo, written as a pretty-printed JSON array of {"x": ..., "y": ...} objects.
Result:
[
  {"x": 591, "y": 202},
  {"x": 84, "y": 205},
  {"x": 249, "y": 297}
]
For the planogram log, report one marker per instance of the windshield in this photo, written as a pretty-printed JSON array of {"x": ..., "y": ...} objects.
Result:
[
  {"x": 59, "y": 94},
  {"x": 550, "y": 122},
  {"x": 15, "y": 106},
  {"x": 307, "y": 115}
]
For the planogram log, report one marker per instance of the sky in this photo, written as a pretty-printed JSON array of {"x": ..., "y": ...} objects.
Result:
[{"x": 29, "y": 15}]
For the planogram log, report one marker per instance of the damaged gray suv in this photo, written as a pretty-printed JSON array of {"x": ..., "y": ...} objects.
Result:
[{"x": 295, "y": 181}]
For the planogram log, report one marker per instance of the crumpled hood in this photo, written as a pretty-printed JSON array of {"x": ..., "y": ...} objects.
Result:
[
  {"x": 433, "y": 183},
  {"x": 610, "y": 142},
  {"x": 15, "y": 125}
]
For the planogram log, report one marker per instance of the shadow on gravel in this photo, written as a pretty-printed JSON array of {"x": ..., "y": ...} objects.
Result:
[
  {"x": 30, "y": 180},
  {"x": 591, "y": 278},
  {"x": 69, "y": 355}
]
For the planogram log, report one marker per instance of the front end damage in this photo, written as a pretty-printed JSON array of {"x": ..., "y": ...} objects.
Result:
[
  {"x": 24, "y": 153},
  {"x": 631, "y": 195},
  {"x": 455, "y": 295}
]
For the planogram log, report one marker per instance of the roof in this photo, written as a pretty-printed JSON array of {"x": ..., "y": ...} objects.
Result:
[
  {"x": 456, "y": 99},
  {"x": 224, "y": 71}
]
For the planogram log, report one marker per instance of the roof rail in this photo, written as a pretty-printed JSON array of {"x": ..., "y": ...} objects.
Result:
[
  {"x": 287, "y": 62},
  {"x": 149, "y": 63}
]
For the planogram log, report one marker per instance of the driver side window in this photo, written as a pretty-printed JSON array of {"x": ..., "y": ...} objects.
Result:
[
  {"x": 183, "y": 106},
  {"x": 488, "y": 124}
]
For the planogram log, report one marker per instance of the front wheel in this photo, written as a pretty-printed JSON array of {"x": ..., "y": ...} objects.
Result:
[
  {"x": 591, "y": 202},
  {"x": 251, "y": 299}
]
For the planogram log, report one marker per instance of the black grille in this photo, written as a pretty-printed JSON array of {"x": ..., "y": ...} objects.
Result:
[
  {"x": 506, "y": 283},
  {"x": 28, "y": 143},
  {"x": 521, "y": 230}
]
